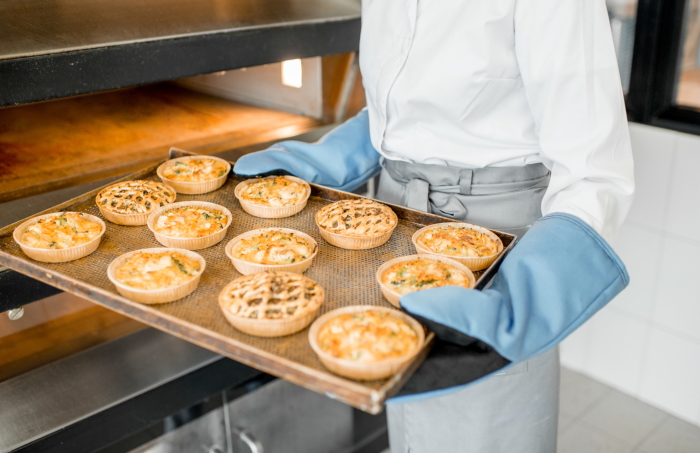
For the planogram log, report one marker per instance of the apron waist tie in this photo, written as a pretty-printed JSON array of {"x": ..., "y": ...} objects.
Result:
[
  {"x": 464, "y": 193},
  {"x": 417, "y": 192}
]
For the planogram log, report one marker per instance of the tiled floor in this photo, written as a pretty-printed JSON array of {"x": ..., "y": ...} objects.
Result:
[{"x": 594, "y": 418}]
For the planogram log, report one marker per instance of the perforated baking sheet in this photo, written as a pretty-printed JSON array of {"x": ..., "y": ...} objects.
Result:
[{"x": 348, "y": 277}]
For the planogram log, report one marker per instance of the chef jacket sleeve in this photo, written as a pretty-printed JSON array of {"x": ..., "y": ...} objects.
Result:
[{"x": 569, "y": 70}]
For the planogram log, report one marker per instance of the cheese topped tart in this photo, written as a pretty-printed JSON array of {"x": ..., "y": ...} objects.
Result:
[
  {"x": 156, "y": 270},
  {"x": 135, "y": 197},
  {"x": 459, "y": 241},
  {"x": 271, "y": 296},
  {"x": 195, "y": 169},
  {"x": 362, "y": 218},
  {"x": 422, "y": 273},
  {"x": 367, "y": 336},
  {"x": 190, "y": 222},
  {"x": 273, "y": 247},
  {"x": 277, "y": 191},
  {"x": 60, "y": 231}
]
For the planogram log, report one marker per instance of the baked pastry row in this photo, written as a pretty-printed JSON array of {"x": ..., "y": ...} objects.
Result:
[{"x": 276, "y": 297}]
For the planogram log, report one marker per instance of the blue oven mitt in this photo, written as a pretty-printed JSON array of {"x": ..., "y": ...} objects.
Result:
[
  {"x": 343, "y": 159},
  {"x": 558, "y": 276}
]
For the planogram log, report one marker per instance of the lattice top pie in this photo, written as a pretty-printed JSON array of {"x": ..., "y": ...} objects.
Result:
[
  {"x": 367, "y": 336},
  {"x": 362, "y": 217},
  {"x": 271, "y": 295},
  {"x": 135, "y": 197},
  {"x": 459, "y": 241},
  {"x": 423, "y": 273},
  {"x": 197, "y": 169},
  {"x": 277, "y": 191}
]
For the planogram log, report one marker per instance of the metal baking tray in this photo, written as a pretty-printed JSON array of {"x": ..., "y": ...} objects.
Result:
[{"x": 348, "y": 277}]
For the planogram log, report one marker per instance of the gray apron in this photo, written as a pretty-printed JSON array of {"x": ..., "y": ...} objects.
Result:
[
  {"x": 503, "y": 198},
  {"x": 514, "y": 411}
]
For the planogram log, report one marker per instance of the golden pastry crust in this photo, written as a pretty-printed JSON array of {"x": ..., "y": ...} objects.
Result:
[
  {"x": 459, "y": 241},
  {"x": 276, "y": 192},
  {"x": 271, "y": 296},
  {"x": 422, "y": 273},
  {"x": 135, "y": 197},
  {"x": 367, "y": 336},
  {"x": 190, "y": 222},
  {"x": 195, "y": 169},
  {"x": 152, "y": 271},
  {"x": 273, "y": 247},
  {"x": 61, "y": 231},
  {"x": 358, "y": 218}
]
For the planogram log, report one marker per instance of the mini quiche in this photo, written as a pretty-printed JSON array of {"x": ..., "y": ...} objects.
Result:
[
  {"x": 156, "y": 270},
  {"x": 271, "y": 304},
  {"x": 131, "y": 202},
  {"x": 367, "y": 336},
  {"x": 156, "y": 275},
  {"x": 61, "y": 231},
  {"x": 59, "y": 237},
  {"x": 195, "y": 169},
  {"x": 363, "y": 342},
  {"x": 190, "y": 222},
  {"x": 274, "y": 196},
  {"x": 473, "y": 246},
  {"x": 194, "y": 174},
  {"x": 275, "y": 191},
  {"x": 280, "y": 249},
  {"x": 416, "y": 272},
  {"x": 356, "y": 224},
  {"x": 190, "y": 225},
  {"x": 274, "y": 247}
]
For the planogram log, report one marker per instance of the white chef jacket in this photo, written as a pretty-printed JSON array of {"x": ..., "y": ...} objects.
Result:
[{"x": 476, "y": 83}]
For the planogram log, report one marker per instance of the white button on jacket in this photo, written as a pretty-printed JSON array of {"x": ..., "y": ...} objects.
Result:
[{"x": 478, "y": 83}]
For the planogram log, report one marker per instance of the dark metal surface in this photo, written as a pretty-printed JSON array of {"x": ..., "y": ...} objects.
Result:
[
  {"x": 302, "y": 422},
  {"x": 128, "y": 417},
  {"x": 107, "y": 379},
  {"x": 17, "y": 290},
  {"x": 68, "y": 47},
  {"x": 38, "y": 27},
  {"x": 197, "y": 317}
]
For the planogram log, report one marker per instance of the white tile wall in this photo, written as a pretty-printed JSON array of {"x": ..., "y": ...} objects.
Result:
[
  {"x": 573, "y": 351},
  {"x": 684, "y": 200},
  {"x": 677, "y": 305},
  {"x": 616, "y": 349},
  {"x": 640, "y": 250},
  {"x": 647, "y": 341},
  {"x": 654, "y": 155}
]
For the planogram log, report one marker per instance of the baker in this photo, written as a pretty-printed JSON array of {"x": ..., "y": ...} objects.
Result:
[{"x": 495, "y": 113}]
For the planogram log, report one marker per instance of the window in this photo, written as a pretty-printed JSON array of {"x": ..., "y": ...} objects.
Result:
[
  {"x": 623, "y": 17},
  {"x": 688, "y": 88},
  {"x": 662, "y": 76}
]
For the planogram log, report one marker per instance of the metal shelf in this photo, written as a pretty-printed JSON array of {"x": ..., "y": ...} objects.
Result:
[
  {"x": 126, "y": 384},
  {"x": 64, "y": 48}
]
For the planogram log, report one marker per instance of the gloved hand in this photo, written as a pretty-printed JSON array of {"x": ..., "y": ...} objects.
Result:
[
  {"x": 558, "y": 276},
  {"x": 343, "y": 159}
]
